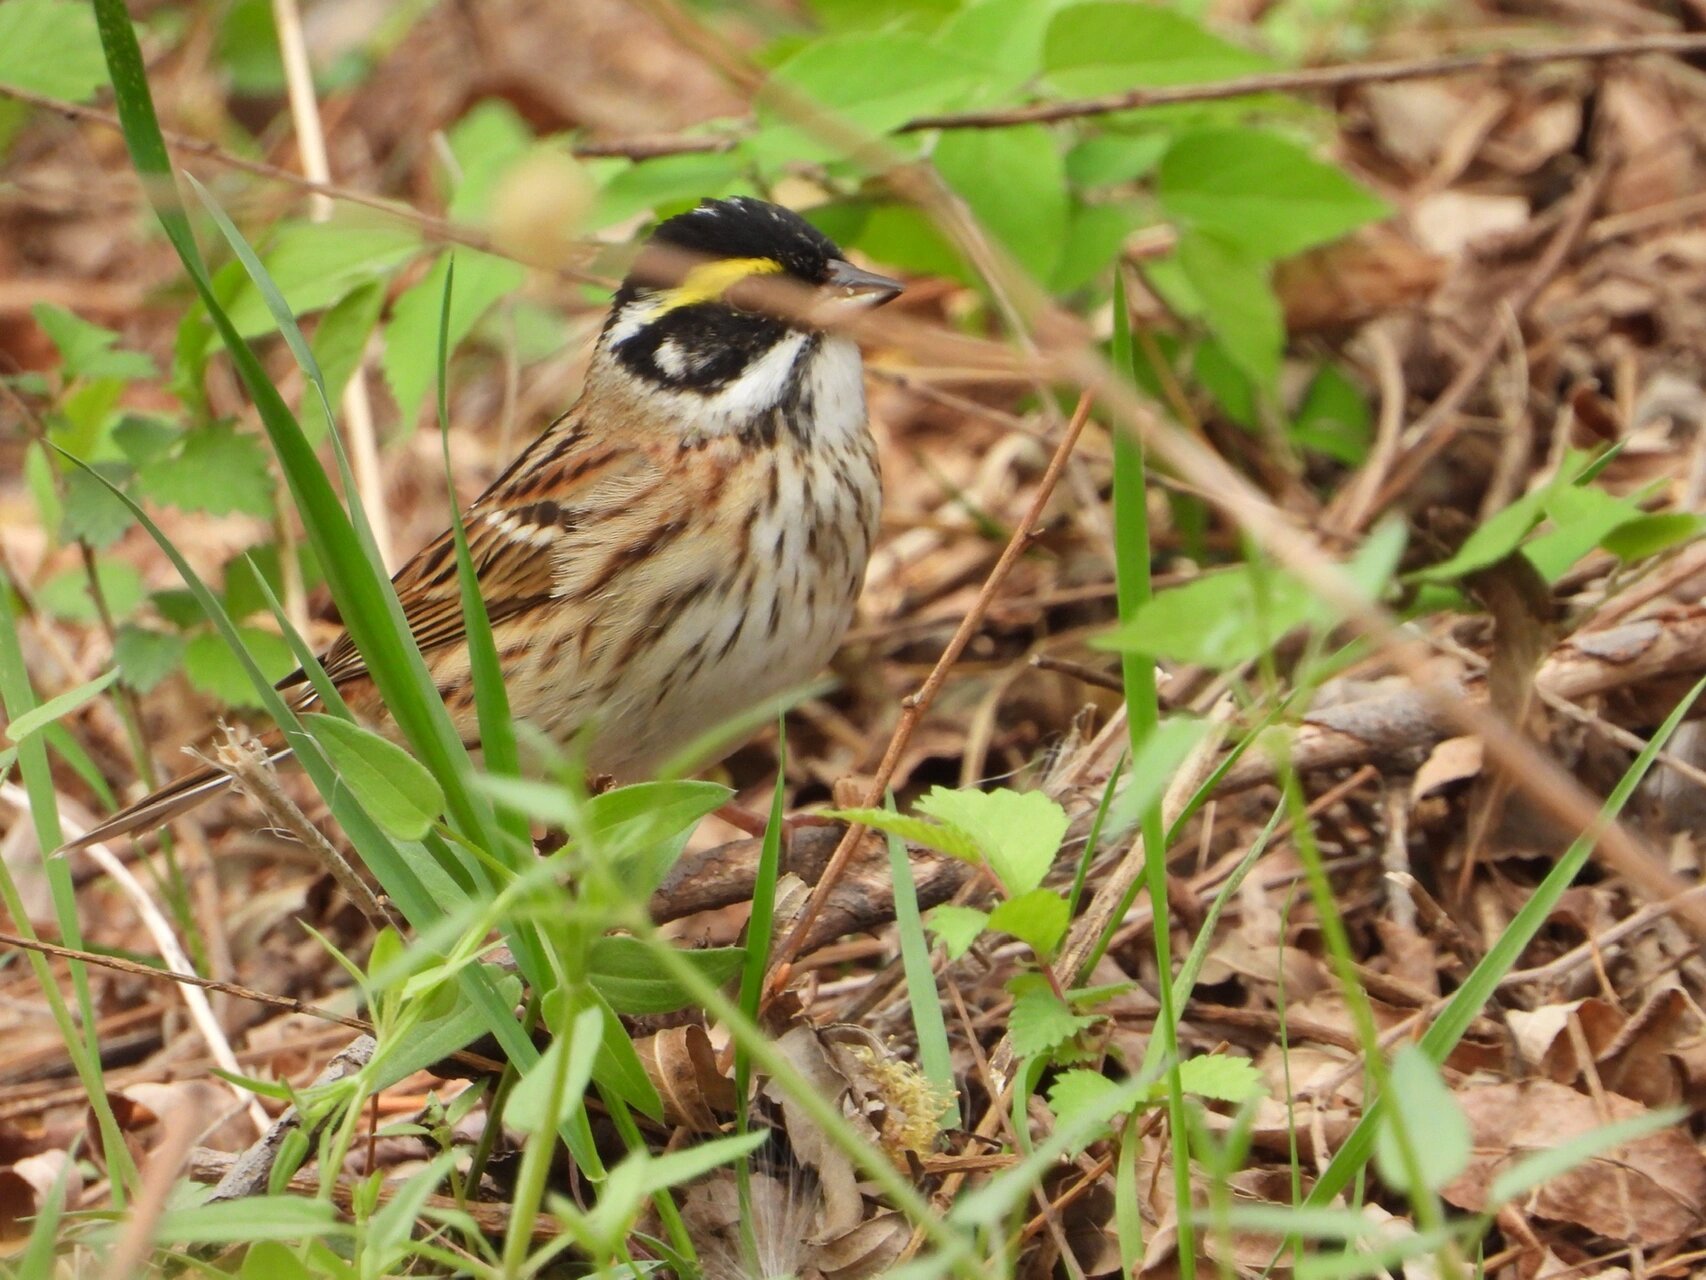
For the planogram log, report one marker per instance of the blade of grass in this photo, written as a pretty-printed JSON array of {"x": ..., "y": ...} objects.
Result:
[
  {"x": 1133, "y": 588},
  {"x": 17, "y": 698},
  {"x": 931, "y": 1030}
]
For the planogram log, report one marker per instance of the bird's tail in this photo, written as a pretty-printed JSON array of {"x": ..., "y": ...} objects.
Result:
[{"x": 159, "y": 807}]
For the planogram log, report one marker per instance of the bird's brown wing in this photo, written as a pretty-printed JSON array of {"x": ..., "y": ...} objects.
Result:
[{"x": 518, "y": 531}]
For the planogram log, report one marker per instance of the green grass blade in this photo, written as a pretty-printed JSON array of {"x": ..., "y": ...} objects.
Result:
[{"x": 1143, "y": 712}]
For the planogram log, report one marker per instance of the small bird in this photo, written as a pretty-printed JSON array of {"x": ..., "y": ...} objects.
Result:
[{"x": 686, "y": 541}]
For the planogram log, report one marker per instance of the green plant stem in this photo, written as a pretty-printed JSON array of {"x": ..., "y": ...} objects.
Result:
[{"x": 1134, "y": 588}]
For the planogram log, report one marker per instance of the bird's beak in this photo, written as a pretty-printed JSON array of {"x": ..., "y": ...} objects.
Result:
[{"x": 853, "y": 283}]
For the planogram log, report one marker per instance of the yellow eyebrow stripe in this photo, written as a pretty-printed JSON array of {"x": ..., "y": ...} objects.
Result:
[{"x": 711, "y": 280}]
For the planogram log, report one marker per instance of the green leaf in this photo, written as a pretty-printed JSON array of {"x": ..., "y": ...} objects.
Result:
[
  {"x": 1014, "y": 182},
  {"x": 315, "y": 264},
  {"x": 872, "y": 82},
  {"x": 1437, "y": 1129},
  {"x": 837, "y": 16},
  {"x": 1334, "y": 418},
  {"x": 244, "y": 1221},
  {"x": 398, "y": 792},
  {"x": 956, "y": 927},
  {"x": 91, "y": 513},
  {"x": 1005, "y": 36},
  {"x": 1109, "y": 158},
  {"x": 1095, "y": 235},
  {"x": 143, "y": 439},
  {"x": 628, "y": 974},
  {"x": 1038, "y": 919},
  {"x": 1040, "y": 1022},
  {"x": 644, "y": 186},
  {"x": 50, "y": 47},
  {"x": 85, "y": 349},
  {"x": 1235, "y": 297},
  {"x": 66, "y": 594},
  {"x": 1108, "y": 46},
  {"x": 146, "y": 657},
  {"x": 215, "y": 670},
  {"x": 1231, "y": 616},
  {"x": 947, "y": 839},
  {"x": 1079, "y": 1092},
  {"x": 340, "y": 340},
  {"x": 63, "y": 704},
  {"x": 217, "y": 470},
  {"x": 411, "y": 339},
  {"x": 1259, "y": 191},
  {"x": 248, "y": 49},
  {"x": 485, "y": 142},
  {"x": 1221, "y": 1078},
  {"x": 1580, "y": 515},
  {"x": 1019, "y": 832},
  {"x": 1648, "y": 535},
  {"x": 550, "y": 1090}
]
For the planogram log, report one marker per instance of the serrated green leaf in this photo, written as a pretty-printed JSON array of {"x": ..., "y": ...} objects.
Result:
[
  {"x": 1040, "y": 1021},
  {"x": 146, "y": 657},
  {"x": 1014, "y": 182},
  {"x": 315, "y": 264},
  {"x": 45, "y": 713},
  {"x": 66, "y": 596},
  {"x": 628, "y": 974},
  {"x": 1107, "y": 46},
  {"x": 85, "y": 349},
  {"x": 1019, "y": 832},
  {"x": 1221, "y": 1077},
  {"x": 51, "y": 47},
  {"x": 956, "y": 927},
  {"x": 217, "y": 469},
  {"x": 1648, "y": 535},
  {"x": 1038, "y": 919},
  {"x": 942, "y": 838},
  {"x": 1437, "y": 1129},
  {"x": 1259, "y": 191},
  {"x": 411, "y": 339},
  {"x": 143, "y": 439},
  {"x": 398, "y": 792},
  {"x": 90, "y": 512},
  {"x": 1079, "y": 1091},
  {"x": 215, "y": 670}
]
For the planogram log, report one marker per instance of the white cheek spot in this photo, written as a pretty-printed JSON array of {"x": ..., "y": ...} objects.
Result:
[{"x": 671, "y": 359}]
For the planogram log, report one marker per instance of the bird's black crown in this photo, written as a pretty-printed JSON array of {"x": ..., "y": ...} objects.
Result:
[{"x": 742, "y": 227}]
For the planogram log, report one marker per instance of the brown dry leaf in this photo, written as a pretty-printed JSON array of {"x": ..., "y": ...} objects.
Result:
[
  {"x": 1543, "y": 1035},
  {"x": 25, "y": 1186},
  {"x": 1454, "y": 760},
  {"x": 1640, "y": 1062},
  {"x": 1651, "y": 1192},
  {"x": 682, "y": 1066}
]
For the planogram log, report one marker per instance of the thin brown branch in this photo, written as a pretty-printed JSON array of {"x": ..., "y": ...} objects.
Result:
[
  {"x": 1310, "y": 78},
  {"x": 915, "y": 705},
  {"x": 284, "y": 1004}
]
